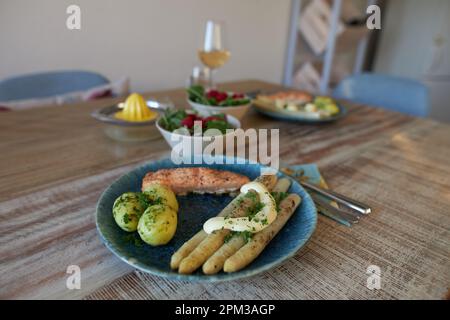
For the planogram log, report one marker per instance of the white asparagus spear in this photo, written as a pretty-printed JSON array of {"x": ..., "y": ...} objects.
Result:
[
  {"x": 215, "y": 240},
  {"x": 282, "y": 185},
  {"x": 249, "y": 252},
  {"x": 215, "y": 263},
  {"x": 187, "y": 248},
  {"x": 192, "y": 243}
]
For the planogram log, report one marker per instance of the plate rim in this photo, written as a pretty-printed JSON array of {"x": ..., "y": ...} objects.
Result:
[{"x": 205, "y": 278}]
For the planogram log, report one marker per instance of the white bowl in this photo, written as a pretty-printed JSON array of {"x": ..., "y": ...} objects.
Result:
[
  {"x": 206, "y": 111},
  {"x": 173, "y": 138}
]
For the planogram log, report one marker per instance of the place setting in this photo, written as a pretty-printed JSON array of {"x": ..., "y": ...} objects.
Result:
[
  {"x": 217, "y": 219},
  {"x": 225, "y": 154}
]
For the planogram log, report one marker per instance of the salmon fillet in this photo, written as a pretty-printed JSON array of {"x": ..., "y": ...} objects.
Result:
[{"x": 197, "y": 180}]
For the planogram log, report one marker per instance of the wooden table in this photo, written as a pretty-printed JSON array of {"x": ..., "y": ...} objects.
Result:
[{"x": 56, "y": 161}]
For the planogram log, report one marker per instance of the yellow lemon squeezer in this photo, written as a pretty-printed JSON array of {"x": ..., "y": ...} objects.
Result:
[{"x": 135, "y": 109}]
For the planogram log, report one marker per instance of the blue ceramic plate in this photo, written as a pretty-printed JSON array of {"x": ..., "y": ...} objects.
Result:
[
  {"x": 292, "y": 116},
  {"x": 194, "y": 210}
]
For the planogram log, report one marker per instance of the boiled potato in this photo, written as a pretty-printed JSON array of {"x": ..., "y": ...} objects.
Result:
[
  {"x": 161, "y": 194},
  {"x": 157, "y": 225},
  {"x": 127, "y": 210}
]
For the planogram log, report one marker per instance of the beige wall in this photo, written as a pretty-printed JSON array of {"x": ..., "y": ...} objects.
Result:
[
  {"x": 415, "y": 43},
  {"x": 152, "y": 41}
]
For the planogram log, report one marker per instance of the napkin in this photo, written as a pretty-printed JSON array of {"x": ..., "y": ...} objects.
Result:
[{"x": 310, "y": 172}]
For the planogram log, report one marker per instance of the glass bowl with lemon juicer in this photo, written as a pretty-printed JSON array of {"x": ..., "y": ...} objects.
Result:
[{"x": 132, "y": 120}]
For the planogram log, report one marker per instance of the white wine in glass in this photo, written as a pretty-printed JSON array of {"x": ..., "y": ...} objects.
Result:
[
  {"x": 214, "y": 54},
  {"x": 214, "y": 59}
]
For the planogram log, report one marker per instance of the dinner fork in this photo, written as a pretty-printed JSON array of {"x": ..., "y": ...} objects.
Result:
[
  {"x": 339, "y": 198},
  {"x": 334, "y": 212},
  {"x": 355, "y": 209}
]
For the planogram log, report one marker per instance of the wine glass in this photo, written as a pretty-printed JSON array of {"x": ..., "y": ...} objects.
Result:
[{"x": 214, "y": 54}]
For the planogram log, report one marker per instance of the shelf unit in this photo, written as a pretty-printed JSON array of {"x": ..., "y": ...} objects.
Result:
[{"x": 326, "y": 58}]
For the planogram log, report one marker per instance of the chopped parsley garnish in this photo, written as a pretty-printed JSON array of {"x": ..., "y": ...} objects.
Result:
[
  {"x": 228, "y": 237},
  {"x": 279, "y": 196},
  {"x": 251, "y": 195},
  {"x": 144, "y": 201},
  {"x": 246, "y": 235},
  {"x": 149, "y": 198},
  {"x": 251, "y": 212}
]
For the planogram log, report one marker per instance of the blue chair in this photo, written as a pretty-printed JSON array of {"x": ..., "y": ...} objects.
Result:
[
  {"x": 42, "y": 85},
  {"x": 393, "y": 93}
]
